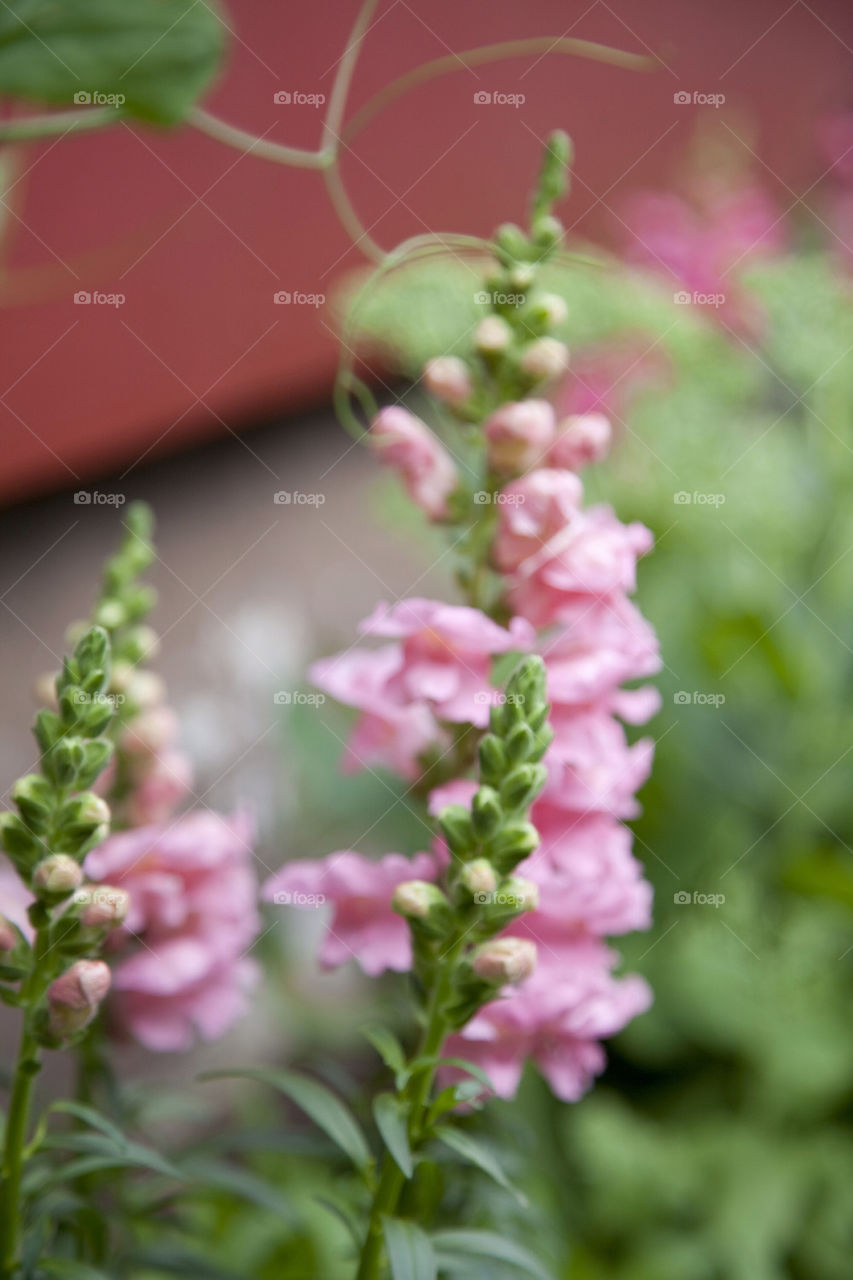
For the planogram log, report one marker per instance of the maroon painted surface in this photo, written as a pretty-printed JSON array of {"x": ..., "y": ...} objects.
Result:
[{"x": 198, "y": 238}]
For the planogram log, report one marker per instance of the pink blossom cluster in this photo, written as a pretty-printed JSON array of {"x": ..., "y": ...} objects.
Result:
[
  {"x": 156, "y": 776},
  {"x": 181, "y": 966},
  {"x": 568, "y": 571}
]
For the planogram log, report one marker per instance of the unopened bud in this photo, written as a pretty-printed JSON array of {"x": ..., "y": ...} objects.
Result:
[
  {"x": 551, "y": 308},
  {"x": 73, "y": 999},
  {"x": 479, "y": 876},
  {"x": 492, "y": 335},
  {"x": 8, "y": 936},
  {"x": 519, "y": 435},
  {"x": 545, "y": 359},
  {"x": 57, "y": 875},
  {"x": 505, "y": 960},
  {"x": 102, "y": 906},
  {"x": 486, "y": 812},
  {"x": 581, "y": 439},
  {"x": 449, "y": 380},
  {"x": 416, "y": 899},
  {"x": 521, "y": 893},
  {"x": 455, "y": 824}
]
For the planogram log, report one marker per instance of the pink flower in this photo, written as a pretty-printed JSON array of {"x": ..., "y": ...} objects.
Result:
[
  {"x": 588, "y": 879},
  {"x": 160, "y": 788},
  {"x": 519, "y": 435},
  {"x": 403, "y": 442},
  {"x": 193, "y": 906},
  {"x": 364, "y": 925},
  {"x": 15, "y": 898},
  {"x": 556, "y": 1018},
  {"x": 581, "y": 439},
  {"x": 438, "y": 671},
  {"x": 554, "y": 552},
  {"x": 601, "y": 643},
  {"x": 590, "y": 765},
  {"x": 74, "y": 998}
]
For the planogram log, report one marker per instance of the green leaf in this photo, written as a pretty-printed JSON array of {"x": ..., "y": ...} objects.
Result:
[
  {"x": 92, "y": 1118},
  {"x": 472, "y": 1151},
  {"x": 393, "y": 1124},
  {"x": 318, "y": 1102},
  {"x": 410, "y": 1253},
  {"x": 68, "y": 1269},
  {"x": 239, "y": 1182},
  {"x": 389, "y": 1049},
  {"x": 153, "y": 59},
  {"x": 456, "y": 1248}
]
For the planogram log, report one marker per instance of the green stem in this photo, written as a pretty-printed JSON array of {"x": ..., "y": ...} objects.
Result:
[
  {"x": 17, "y": 1124},
  {"x": 31, "y": 128},
  {"x": 416, "y": 1094}
]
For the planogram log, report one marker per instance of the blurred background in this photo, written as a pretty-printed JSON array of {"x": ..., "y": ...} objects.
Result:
[{"x": 717, "y": 191}]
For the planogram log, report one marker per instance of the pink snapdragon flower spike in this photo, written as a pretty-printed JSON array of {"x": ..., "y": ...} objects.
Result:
[
  {"x": 519, "y": 435},
  {"x": 364, "y": 925},
  {"x": 601, "y": 643},
  {"x": 580, "y": 440},
  {"x": 591, "y": 767},
  {"x": 556, "y": 1018},
  {"x": 403, "y": 442},
  {"x": 437, "y": 672},
  {"x": 193, "y": 896}
]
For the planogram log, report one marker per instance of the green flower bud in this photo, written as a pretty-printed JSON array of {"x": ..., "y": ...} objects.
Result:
[
  {"x": 63, "y": 760},
  {"x": 83, "y": 813},
  {"x": 111, "y": 614},
  {"x": 486, "y": 812},
  {"x": 96, "y": 757},
  {"x": 423, "y": 905},
  {"x": 479, "y": 878},
  {"x": 57, "y": 876},
  {"x": 520, "y": 742},
  {"x": 504, "y": 960},
  {"x": 521, "y": 894},
  {"x": 492, "y": 335},
  {"x": 93, "y": 651},
  {"x": 102, "y": 906},
  {"x": 455, "y": 824},
  {"x": 522, "y": 785},
  {"x": 493, "y": 761},
  {"x": 33, "y": 795},
  {"x": 515, "y": 841},
  {"x": 18, "y": 841},
  {"x": 547, "y": 232}
]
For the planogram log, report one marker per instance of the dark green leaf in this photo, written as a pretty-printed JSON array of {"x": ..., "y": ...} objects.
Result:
[
  {"x": 410, "y": 1253},
  {"x": 393, "y": 1124},
  {"x": 318, "y": 1102},
  {"x": 68, "y": 1269},
  {"x": 458, "y": 1247},
  {"x": 151, "y": 60},
  {"x": 472, "y": 1151},
  {"x": 389, "y": 1049}
]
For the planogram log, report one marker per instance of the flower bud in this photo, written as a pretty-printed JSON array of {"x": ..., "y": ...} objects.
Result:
[
  {"x": 73, "y": 999},
  {"x": 515, "y": 841},
  {"x": 552, "y": 309},
  {"x": 486, "y": 812},
  {"x": 455, "y": 824},
  {"x": 492, "y": 758},
  {"x": 150, "y": 732},
  {"x": 402, "y": 441},
  {"x": 102, "y": 906},
  {"x": 45, "y": 689},
  {"x": 418, "y": 899},
  {"x": 581, "y": 439},
  {"x": 143, "y": 644},
  {"x": 519, "y": 435},
  {"x": 34, "y": 797},
  {"x": 492, "y": 335},
  {"x": 479, "y": 877},
  {"x": 505, "y": 960},
  {"x": 8, "y": 936},
  {"x": 449, "y": 380},
  {"x": 522, "y": 785},
  {"x": 522, "y": 894},
  {"x": 545, "y": 359},
  {"x": 57, "y": 876},
  {"x": 521, "y": 276}
]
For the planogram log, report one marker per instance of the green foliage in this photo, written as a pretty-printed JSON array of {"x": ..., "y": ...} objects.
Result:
[{"x": 150, "y": 58}]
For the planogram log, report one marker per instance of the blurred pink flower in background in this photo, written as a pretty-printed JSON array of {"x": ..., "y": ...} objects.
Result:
[
  {"x": 403, "y": 442},
  {"x": 363, "y": 924},
  {"x": 193, "y": 909}
]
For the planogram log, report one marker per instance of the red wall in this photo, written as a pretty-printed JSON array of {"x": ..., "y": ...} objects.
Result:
[{"x": 198, "y": 238}]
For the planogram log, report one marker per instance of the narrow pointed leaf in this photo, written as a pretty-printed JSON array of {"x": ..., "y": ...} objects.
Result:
[
  {"x": 475, "y": 1153},
  {"x": 392, "y": 1123},
  {"x": 410, "y": 1253}
]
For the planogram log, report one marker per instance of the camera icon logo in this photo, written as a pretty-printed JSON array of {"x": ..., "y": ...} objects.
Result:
[
  {"x": 283, "y": 498},
  {"x": 82, "y": 97},
  {"x": 481, "y": 497},
  {"x": 283, "y": 899},
  {"x": 282, "y": 97},
  {"x": 483, "y": 298},
  {"x": 282, "y": 298},
  {"x": 682, "y": 298},
  {"x": 482, "y": 898},
  {"x": 481, "y": 97},
  {"x": 681, "y": 99},
  {"x": 82, "y": 297},
  {"x": 682, "y": 698},
  {"x": 681, "y": 898},
  {"x": 82, "y": 498},
  {"x": 283, "y": 698},
  {"x": 682, "y": 498}
]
